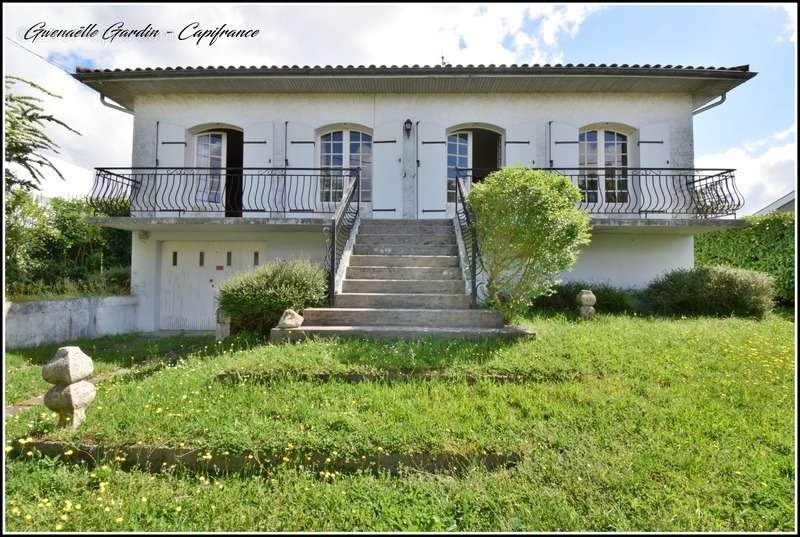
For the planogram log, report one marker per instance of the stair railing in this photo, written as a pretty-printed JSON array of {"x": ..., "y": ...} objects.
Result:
[
  {"x": 469, "y": 235},
  {"x": 341, "y": 227}
]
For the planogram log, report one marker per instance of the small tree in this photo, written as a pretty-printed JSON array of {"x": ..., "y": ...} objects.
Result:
[
  {"x": 529, "y": 230},
  {"x": 25, "y": 123}
]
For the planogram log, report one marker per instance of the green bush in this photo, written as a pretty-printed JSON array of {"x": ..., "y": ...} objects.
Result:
[
  {"x": 114, "y": 281},
  {"x": 610, "y": 299},
  {"x": 529, "y": 230},
  {"x": 53, "y": 241},
  {"x": 766, "y": 244},
  {"x": 719, "y": 291},
  {"x": 255, "y": 300}
]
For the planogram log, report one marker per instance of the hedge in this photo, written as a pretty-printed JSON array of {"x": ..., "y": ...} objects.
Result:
[{"x": 765, "y": 244}]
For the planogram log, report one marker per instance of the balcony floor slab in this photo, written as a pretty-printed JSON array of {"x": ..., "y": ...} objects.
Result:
[{"x": 189, "y": 223}]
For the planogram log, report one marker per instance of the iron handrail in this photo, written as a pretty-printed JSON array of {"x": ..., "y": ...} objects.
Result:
[{"x": 341, "y": 227}]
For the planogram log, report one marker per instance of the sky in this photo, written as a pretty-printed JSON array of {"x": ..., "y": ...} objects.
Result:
[{"x": 754, "y": 131}]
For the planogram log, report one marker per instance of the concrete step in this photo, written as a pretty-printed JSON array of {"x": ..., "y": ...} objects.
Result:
[
  {"x": 405, "y": 238},
  {"x": 400, "y": 221},
  {"x": 397, "y": 332},
  {"x": 400, "y": 229},
  {"x": 447, "y": 318},
  {"x": 403, "y": 286},
  {"x": 404, "y": 249},
  {"x": 402, "y": 300},
  {"x": 403, "y": 273},
  {"x": 403, "y": 261}
]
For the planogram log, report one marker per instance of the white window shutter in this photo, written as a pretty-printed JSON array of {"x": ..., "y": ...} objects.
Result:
[
  {"x": 260, "y": 191},
  {"x": 432, "y": 173},
  {"x": 258, "y": 145},
  {"x": 654, "y": 146},
  {"x": 387, "y": 170},
  {"x": 300, "y": 144},
  {"x": 519, "y": 145},
  {"x": 563, "y": 140},
  {"x": 171, "y": 146}
]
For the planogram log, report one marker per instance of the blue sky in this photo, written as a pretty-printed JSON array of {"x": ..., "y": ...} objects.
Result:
[{"x": 754, "y": 131}]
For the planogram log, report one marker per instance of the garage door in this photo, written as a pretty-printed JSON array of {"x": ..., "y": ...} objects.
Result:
[{"x": 191, "y": 275}]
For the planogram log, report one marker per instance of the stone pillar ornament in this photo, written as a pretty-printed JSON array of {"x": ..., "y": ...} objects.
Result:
[
  {"x": 71, "y": 394},
  {"x": 223, "y": 325},
  {"x": 586, "y": 301}
]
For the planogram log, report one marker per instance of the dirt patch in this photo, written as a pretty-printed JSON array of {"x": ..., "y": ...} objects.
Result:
[{"x": 159, "y": 459}]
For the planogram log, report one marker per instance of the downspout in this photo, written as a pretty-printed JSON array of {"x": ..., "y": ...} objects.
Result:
[
  {"x": 710, "y": 106},
  {"x": 113, "y": 106}
]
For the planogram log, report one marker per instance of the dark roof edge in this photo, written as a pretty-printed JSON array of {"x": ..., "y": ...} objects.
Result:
[{"x": 741, "y": 72}]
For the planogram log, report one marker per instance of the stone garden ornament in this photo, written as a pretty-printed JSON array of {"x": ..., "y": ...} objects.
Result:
[
  {"x": 290, "y": 319},
  {"x": 71, "y": 394},
  {"x": 586, "y": 301}
]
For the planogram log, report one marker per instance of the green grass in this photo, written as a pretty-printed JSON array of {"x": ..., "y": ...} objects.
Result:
[
  {"x": 23, "y": 367},
  {"x": 635, "y": 424}
]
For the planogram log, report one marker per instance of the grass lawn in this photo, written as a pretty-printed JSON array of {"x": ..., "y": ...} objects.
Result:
[
  {"x": 23, "y": 367},
  {"x": 623, "y": 423}
]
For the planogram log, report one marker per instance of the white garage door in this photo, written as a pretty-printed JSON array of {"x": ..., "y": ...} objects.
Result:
[{"x": 191, "y": 275}]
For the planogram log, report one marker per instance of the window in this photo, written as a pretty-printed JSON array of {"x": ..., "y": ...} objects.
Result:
[
  {"x": 202, "y": 258},
  {"x": 210, "y": 154},
  {"x": 607, "y": 150},
  {"x": 174, "y": 259},
  {"x": 228, "y": 258},
  {"x": 345, "y": 146},
  {"x": 458, "y": 145},
  {"x": 255, "y": 259}
]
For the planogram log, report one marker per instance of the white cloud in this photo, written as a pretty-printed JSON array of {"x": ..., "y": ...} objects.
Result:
[
  {"x": 790, "y": 29},
  {"x": 766, "y": 169}
]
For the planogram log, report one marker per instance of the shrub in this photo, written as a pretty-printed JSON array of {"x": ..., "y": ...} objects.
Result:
[
  {"x": 712, "y": 291},
  {"x": 766, "y": 244},
  {"x": 255, "y": 300},
  {"x": 114, "y": 281},
  {"x": 529, "y": 230},
  {"x": 610, "y": 299}
]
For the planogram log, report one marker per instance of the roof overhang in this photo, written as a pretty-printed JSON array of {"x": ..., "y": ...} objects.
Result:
[{"x": 704, "y": 85}]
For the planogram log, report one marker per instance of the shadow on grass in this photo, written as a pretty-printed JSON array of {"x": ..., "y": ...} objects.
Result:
[
  {"x": 120, "y": 351},
  {"x": 419, "y": 354}
]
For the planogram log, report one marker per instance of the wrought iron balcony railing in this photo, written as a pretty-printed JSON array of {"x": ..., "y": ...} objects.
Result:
[
  {"x": 261, "y": 192},
  {"x": 647, "y": 192}
]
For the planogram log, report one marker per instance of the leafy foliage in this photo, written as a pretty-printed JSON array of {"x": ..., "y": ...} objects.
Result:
[
  {"x": 26, "y": 139},
  {"x": 610, "y": 299},
  {"x": 766, "y": 244},
  {"x": 255, "y": 300},
  {"x": 712, "y": 291},
  {"x": 52, "y": 249},
  {"x": 529, "y": 231}
]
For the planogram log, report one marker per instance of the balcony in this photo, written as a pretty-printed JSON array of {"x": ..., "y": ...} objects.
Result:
[
  {"x": 645, "y": 192},
  {"x": 308, "y": 194}
]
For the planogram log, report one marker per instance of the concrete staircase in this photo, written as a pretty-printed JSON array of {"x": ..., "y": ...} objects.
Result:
[{"x": 403, "y": 281}]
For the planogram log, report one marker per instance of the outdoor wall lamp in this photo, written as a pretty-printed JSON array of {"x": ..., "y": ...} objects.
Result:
[{"x": 407, "y": 127}]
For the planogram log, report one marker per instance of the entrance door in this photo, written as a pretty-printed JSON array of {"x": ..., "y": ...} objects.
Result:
[
  {"x": 208, "y": 183},
  {"x": 192, "y": 273}
]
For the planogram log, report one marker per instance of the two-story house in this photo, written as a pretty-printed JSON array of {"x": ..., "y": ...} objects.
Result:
[{"x": 365, "y": 168}]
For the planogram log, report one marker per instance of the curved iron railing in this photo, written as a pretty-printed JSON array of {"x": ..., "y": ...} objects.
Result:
[
  {"x": 466, "y": 222},
  {"x": 221, "y": 191},
  {"x": 341, "y": 227},
  {"x": 690, "y": 192}
]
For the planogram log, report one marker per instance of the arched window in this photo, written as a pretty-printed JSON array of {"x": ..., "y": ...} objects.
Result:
[
  {"x": 347, "y": 148},
  {"x": 604, "y": 150}
]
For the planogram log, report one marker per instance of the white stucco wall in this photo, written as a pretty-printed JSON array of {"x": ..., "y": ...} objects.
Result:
[
  {"x": 146, "y": 260},
  {"x": 528, "y": 112},
  {"x": 33, "y": 323},
  {"x": 631, "y": 260}
]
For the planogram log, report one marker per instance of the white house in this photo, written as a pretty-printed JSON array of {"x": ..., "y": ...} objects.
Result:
[{"x": 235, "y": 166}]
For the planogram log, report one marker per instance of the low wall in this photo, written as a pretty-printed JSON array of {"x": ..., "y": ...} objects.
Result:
[{"x": 46, "y": 321}]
